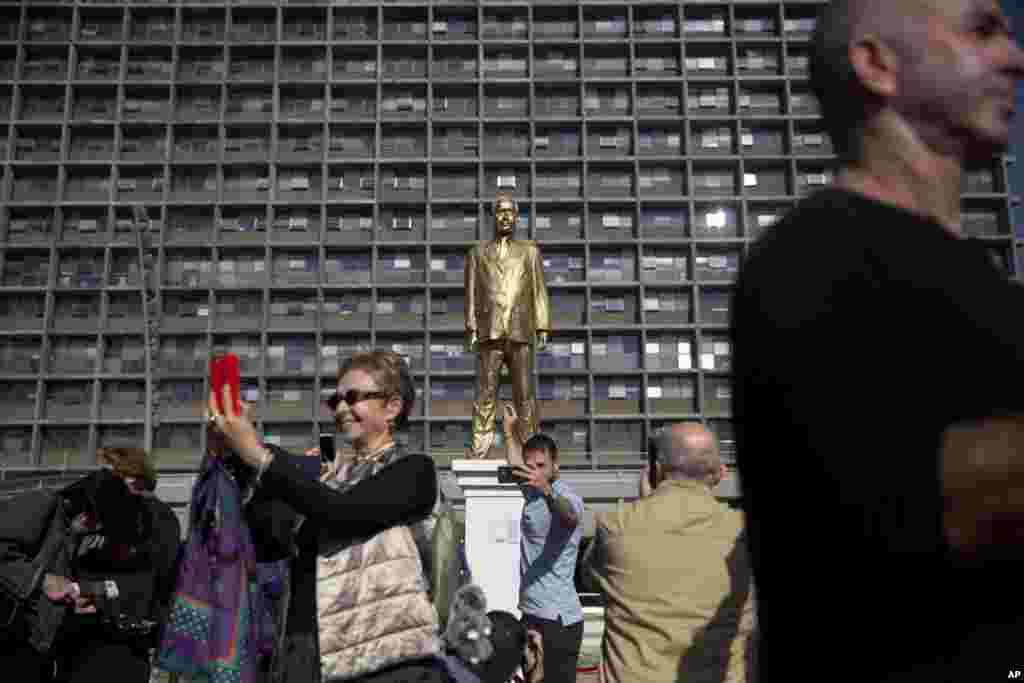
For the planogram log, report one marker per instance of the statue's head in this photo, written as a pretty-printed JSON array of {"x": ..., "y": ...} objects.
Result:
[{"x": 506, "y": 214}]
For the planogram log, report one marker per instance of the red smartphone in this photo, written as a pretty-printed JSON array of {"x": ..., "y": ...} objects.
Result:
[{"x": 224, "y": 372}]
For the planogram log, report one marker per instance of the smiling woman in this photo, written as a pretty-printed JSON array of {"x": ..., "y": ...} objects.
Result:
[{"x": 368, "y": 523}]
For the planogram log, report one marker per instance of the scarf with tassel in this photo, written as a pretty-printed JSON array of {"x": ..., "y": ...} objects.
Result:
[{"x": 213, "y": 634}]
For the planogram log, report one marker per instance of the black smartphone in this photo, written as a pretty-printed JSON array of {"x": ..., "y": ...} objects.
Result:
[
  {"x": 507, "y": 475},
  {"x": 327, "y": 449},
  {"x": 652, "y": 460}
]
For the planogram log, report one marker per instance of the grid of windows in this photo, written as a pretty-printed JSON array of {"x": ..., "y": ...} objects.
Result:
[{"x": 315, "y": 173}]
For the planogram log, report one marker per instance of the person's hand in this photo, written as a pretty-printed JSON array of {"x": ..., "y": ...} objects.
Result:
[
  {"x": 645, "y": 481},
  {"x": 238, "y": 432},
  {"x": 60, "y": 589},
  {"x": 509, "y": 418},
  {"x": 472, "y": 342},
  {"x": 534, "y": 478},
  {"x": 85, "y": 606},
  {"x": 534, "y": 656},
  {"x": 542, "y": 340},
  {"x": 216, "y": 441}
]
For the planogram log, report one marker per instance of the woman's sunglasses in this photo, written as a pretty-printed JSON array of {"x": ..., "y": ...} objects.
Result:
[{"x": 352, "y": 397}]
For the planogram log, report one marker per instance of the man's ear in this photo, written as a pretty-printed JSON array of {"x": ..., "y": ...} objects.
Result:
[
  {"x": 875, "y": 64},
  {"x": 719, "y": 475}
]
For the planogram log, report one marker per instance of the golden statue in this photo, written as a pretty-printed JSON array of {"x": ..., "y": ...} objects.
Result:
[{"x": 506, "y": 310}]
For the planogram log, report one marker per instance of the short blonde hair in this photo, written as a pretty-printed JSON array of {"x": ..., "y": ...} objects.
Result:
[{"x": 391, "y": 374}]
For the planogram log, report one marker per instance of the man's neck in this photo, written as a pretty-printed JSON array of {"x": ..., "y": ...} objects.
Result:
[
  {"x": 903, "y": 172},
  {"x": 687, "y": 482},
  {"x": 502, "y": 238}
]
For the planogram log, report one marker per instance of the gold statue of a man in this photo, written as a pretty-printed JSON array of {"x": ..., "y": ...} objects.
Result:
[{"x": 506, "y": 310}]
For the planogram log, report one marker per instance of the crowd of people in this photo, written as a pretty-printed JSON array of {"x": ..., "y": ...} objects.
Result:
[
  {"x": 87, "y": 574},
  {"x": 881, "y": 517},
  {"x": 359, "y": 543}
]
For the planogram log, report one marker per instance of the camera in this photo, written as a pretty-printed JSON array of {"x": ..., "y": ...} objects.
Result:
[
  {"x": 328, "y": 450},
  {"x": 507, "y": 475}
]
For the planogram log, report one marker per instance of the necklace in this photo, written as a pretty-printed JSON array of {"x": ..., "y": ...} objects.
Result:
[{"x": 375, "y": 455}]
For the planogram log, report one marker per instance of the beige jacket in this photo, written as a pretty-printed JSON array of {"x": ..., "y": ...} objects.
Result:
[
  {"x": 675, "y": 571},
  {"x": 373, "y": 603}
]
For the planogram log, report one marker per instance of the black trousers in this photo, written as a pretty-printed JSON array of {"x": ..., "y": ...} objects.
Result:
[
  {"x": 99, "y": 661},
  {"x": 561, "y": 647},
  {"x": 85, "y": 662},
  {"x": 413, "y": 672},
  {"x": 301, "y": 664},
  {"x": 31, "y": 667}
]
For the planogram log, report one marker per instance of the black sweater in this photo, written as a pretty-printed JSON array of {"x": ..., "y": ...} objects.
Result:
[{"x": 402, "y": 492}]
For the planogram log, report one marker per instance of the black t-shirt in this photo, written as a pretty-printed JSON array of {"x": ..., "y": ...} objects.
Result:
[{"x": 862, "y": 331}]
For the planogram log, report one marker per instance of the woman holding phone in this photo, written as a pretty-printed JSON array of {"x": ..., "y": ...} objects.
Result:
[{"x": 360, "y": 607}]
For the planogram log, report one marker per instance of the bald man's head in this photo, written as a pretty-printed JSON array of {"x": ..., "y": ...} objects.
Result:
[
  {"x": 946, "y": 68},
  {"x": 845, "y": 102},
  {"x": 689, "y": 450}
]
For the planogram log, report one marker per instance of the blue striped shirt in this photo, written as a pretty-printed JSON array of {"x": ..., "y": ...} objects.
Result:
[{"x": 548, "y": 552}]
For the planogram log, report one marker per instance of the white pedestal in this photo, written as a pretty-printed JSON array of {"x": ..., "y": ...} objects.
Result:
[{"x": 493, "y": 512}]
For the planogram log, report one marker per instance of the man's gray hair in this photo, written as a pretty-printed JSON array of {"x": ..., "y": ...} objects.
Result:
[{"x": 680, "y": 460}]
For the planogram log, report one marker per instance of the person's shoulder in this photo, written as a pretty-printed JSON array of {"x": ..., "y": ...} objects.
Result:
[
  {"x": 641, "y": 510},
  {"x": 164, "y": 517},
  {"x": 421, "y": 462},
  {"x": 733, "y": 517},
  {"x": 34, "y": 497},
  {"x": 611, "y": 522},
  {"x": 26, "y": 515},
  {"x": 563, "y": 487},
  {"x": 41, "y": 500},
  {"x": 821, "y": 216},
  {"x": 820, "y": 240},
  {"x": 161, "y": 507}
]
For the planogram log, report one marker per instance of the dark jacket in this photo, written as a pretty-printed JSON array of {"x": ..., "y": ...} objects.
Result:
[
  {"x": 34, "y": 521},
  {"x": 28, "y": 523},
  {"x": 146, "y": 580}
]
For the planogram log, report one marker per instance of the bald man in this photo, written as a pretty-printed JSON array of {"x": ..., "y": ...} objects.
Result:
[
  {"x": 878, "y": 353},
  {"x": 675, "y": 572}
]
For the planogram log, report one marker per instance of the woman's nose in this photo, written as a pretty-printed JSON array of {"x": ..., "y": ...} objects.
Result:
[{"x": 341, "y": 409}]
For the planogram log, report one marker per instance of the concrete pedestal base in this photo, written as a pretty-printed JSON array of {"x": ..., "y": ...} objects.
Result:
[{"x": 493, "y": 512}]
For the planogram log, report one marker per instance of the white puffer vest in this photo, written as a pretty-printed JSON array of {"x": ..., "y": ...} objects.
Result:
[{"x": 373, "y": 599}]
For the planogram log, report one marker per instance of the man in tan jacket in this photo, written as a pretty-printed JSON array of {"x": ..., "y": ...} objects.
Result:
[{"x": 675, "y": 572}]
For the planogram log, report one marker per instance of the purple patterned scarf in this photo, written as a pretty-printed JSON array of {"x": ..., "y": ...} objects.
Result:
[{"x": 212, "y": 634}]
